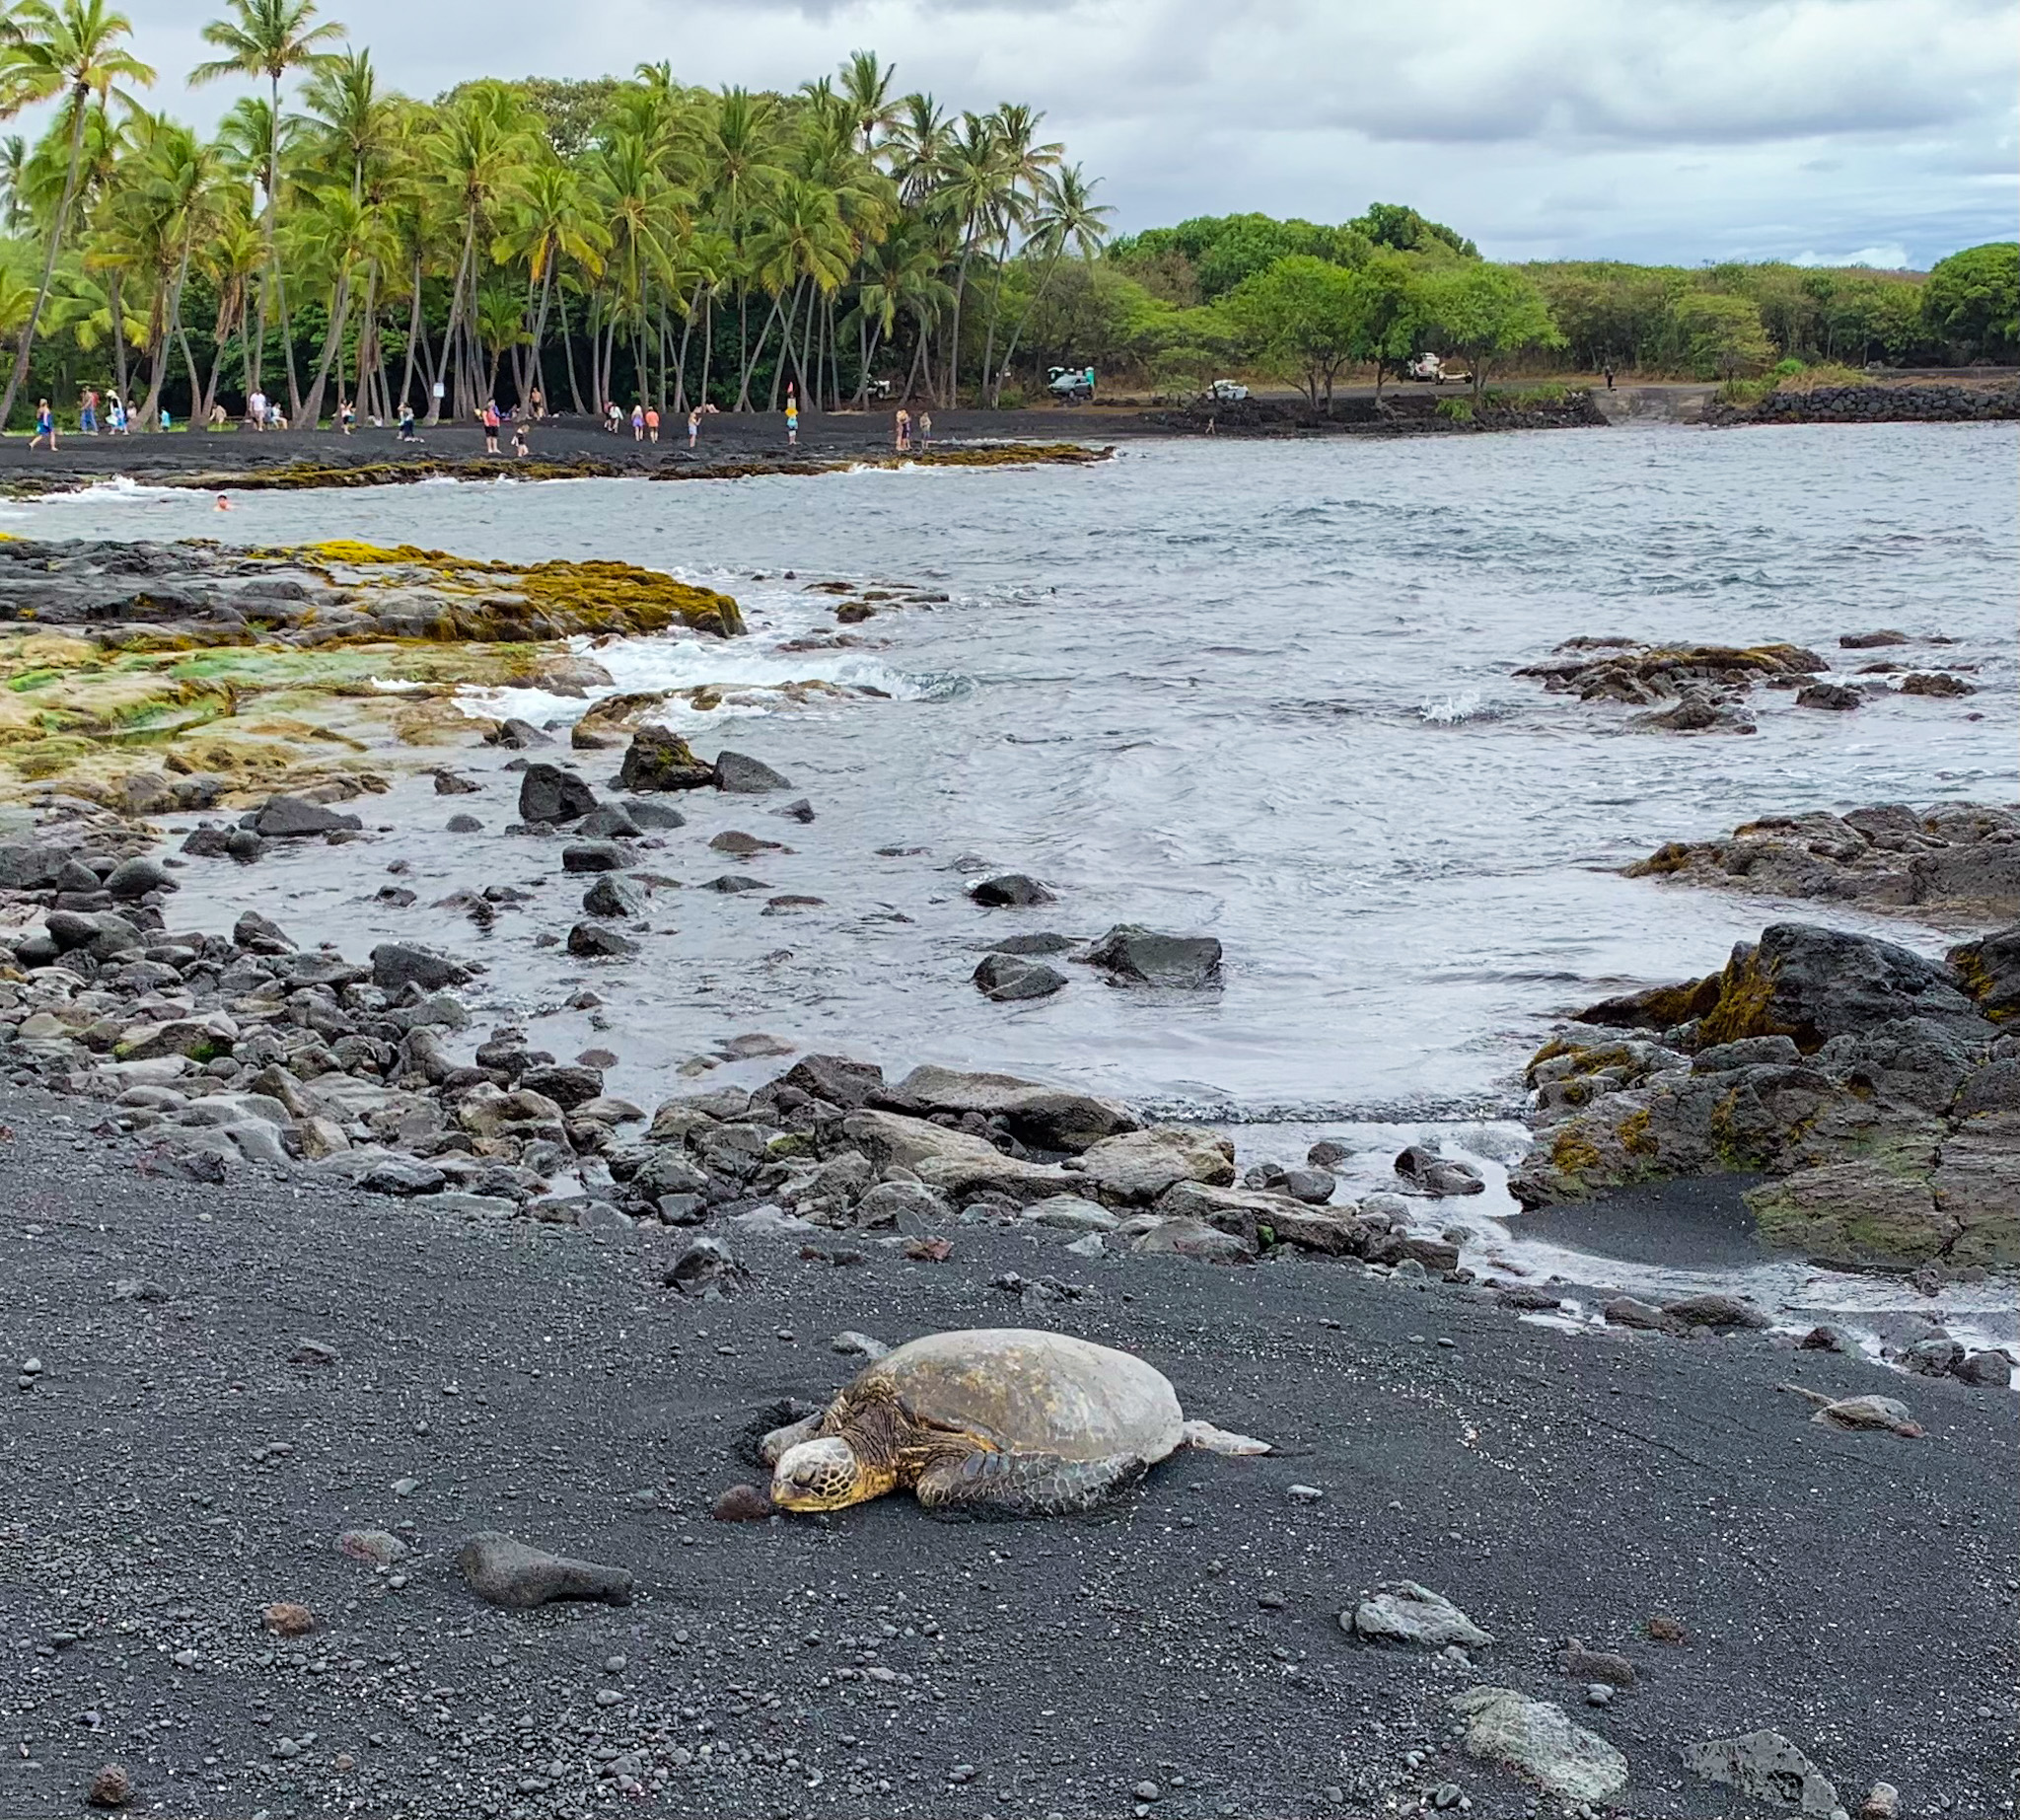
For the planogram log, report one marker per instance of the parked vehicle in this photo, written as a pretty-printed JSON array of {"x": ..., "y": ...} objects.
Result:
[
  {"x": 1431, "y": 370},
  {"x": 1073, "y": 384},
  {"x": 1227, "y": 392}
]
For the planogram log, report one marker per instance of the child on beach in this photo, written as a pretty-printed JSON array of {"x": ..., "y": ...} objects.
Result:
[
  {"x": 792, "y": 421},
  {"x": 694, "y": 425},
  {"x": 406, "y": 422},
  {"x": 46, "y": 424},
  {"x": 520, "y": 446},
  {"x": 116, "y": 413},
  {"x": 347, "y": 416}
]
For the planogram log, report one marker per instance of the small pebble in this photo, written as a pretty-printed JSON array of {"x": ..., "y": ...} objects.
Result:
[{"x": 1599, "y": 1695}]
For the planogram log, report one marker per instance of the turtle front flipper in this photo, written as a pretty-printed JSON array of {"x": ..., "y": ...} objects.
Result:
[
  {"x": 981, "y": 1483},
  {"x": 775, "y": 1444}
]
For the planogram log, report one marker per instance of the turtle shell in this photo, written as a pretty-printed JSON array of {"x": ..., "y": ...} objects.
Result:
[{"x": 1025, "y": 1390}]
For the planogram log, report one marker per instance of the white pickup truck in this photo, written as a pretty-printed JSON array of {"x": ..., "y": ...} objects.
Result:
[{"x": 1431, "y": 370}]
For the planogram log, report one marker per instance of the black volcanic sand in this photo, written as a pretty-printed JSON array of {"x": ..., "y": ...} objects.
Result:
[
  {"x": 726, "y": 440},
  {"x": 171, "y": 1472}
]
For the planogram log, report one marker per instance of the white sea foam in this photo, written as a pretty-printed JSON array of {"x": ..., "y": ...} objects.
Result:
[{"x": 1451, "y": 710}]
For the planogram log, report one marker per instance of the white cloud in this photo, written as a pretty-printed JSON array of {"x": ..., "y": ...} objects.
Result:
[{"x": 1680, "y": 129}]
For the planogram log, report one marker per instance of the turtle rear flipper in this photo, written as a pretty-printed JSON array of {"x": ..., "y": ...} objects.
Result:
[
  {"x": 1208, "y": 1439},
  {"x": 986, "y": 1483}
]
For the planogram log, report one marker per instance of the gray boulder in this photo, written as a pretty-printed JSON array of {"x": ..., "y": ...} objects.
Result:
[
  {"x": 1008, "y": 979},
  {"x": 1131, "y": 955},
  {"x": 395, "y": 965},
  {"x": 502, "y": 1571},
  {"x": 1765, "y": 1767},
  {"x": 1404, "y": 1612},
  {"x": 659, "y": 759},
  {"x": 290, "y": 817},
  {"x": 1010, "y": 891},
  {"x": 1046, "y": 1118},
  {"x": 548, "y": 795},
  {"x": 1538, "y": 1739},
  {"x": 742, "y": 776}
]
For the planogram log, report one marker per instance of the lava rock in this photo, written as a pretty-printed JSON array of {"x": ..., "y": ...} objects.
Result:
[
  {"x": 292, "y": 817},
  {"x": 741, "y": 776},
  {"x": 1832, "y": 695},
  {"x": 594, "y": 941},
  {"x": 502, "y": 1571},
  {"x": 136, "y": 877},
  {"x": 592, "y": 856},
  {"x": 548, "y": 795},
  {"x": 1006, "y": 978},
  {"x": 1425, "y": 1172},
  {"x": 397, "y": 965},
  {"x": 1011, "y": 890},
  {"x": 1132, "y": 955},
  {"x": 611, "y": 895},
  {"x": 657, "y": 760}
]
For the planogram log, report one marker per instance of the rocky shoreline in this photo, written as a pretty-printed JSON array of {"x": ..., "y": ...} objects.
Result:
[
  {"x": 1914, "y": 402},
  {"x": 397, "y": 1166}
]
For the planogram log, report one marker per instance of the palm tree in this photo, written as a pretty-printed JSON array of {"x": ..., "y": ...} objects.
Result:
[
  {"x": 270, "y": 38},
  {"x": 1067, "y": 218},
  {"x": 13, "y": 165},
  {"x": 551, "y": 220},
  {"x": 866, "y": 89},
  {"x": 738, "y": 145},
  {"x": 1026, "y": 165},
  {"x": 75, "y": 51},
  {"x": 351, "y": 120},
  {"x": 974, "y": 197}
]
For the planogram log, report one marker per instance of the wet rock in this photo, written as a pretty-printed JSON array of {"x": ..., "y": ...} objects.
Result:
[
  {"x": 1006, "y": 978},
  {"x": 397, "y": 965},
  {"x": 799, "y": 810},
  {"x": 1700, "y": 712},
  {"x": 611, "y": 895},
  {"x": 1828, "y": 1338},
  {"x": 1882, "y": 1802},
  {"x": 1626, "y": 1311},
  {"x": 401, "y": 1176},
  {"x": 1131, "y": 955},
  {"x": 1194, "y": 1239},
  {"x": 1990, "y": 1369},
  {"x": 1934, "y": 682},
  {"x": 1871, "y": 641},
  {"x": 1035, "y": 943},
  {"x": 502, "y": 1571},
  {"x": 741, "y": 1503},
  {"x": 1717, "y": 1311},
  {"x": 1887, "y": 1413},
  {"x": 1832, "y": 695},
  {"x": 1404, "y": 1612},
  {"x": 734, "y": 842},
  {"x": 1538, "y": 1739},
  {"x": 1989, "y": 971},
  {"x": 1933, "y": 1358},
  {"x": 1069, "y": 1213},
  {"x": 1424, "y": 1172},
  {"x": 592, "y": 856},
  {"x": 734, "y": 884},
  {"x": 516, "y": 735},
  {"x": 905, "y": 1206},
  {"x": 594, "y": 941},
  {"x": 742, "y": 776},
  {"x": 1327, "y": 1154},
  {"x": 1010, "y": 890},
  {"x": 610, "y": 821},
  {"x": 659, "y": 759},
  {"x": 293, "y": 817},
  {"x": 550, "y": 794},
  {"x": 952, "y": 1161},
  {"x": 567, "y": 1086},
  {"x": 464, "y": 825},
  {"x": 136, "y": 877},
  {"x": 454, "y": 783},
  {"x": 1764, "y": 1766},
  {"x": 1314, "y": 1187},
  {"x": 654, "y": 817}
]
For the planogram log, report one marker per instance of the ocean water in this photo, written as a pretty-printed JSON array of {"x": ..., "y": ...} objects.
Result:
[{"x": 1263, "y": 691}]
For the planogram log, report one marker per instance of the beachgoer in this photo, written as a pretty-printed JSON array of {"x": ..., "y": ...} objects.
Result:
[
  {"x": 46, "y": 424},
  {"x": 219, "y": 417},
  {"x": 539, "y": 404},
  {"x": 1609, "y": 375},
  {"x": 637, "y": 421},
  {"x": 256, "y": 408},
  {"x": 167, "y": 422},
  {"x": 223, "y": 504},
  {"x": 347, "y": 416},
  {"x": 116, "y": 413},
  {"x": 519, "y": 446},
  {"x": 904, "y": 429},
  {"x": 491, "y": 417},
  {"x": 925, "y": 430},
  {"x": 406, "y": 422},
  {"x": 276, "y": 419},
  {"x": 613, "y": 418},
  {"x": 88, "y": 413},
  {"x": 694, "y": 425},
  {"x": 652, "y": 423},
  {"x": 792, "y": 420}
]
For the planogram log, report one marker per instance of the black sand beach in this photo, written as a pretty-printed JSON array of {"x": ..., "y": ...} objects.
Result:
[{"x": 172, "y": 1470}]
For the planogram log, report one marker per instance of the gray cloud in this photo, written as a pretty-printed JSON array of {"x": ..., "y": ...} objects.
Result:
[{"x": 1680, "y": 129}]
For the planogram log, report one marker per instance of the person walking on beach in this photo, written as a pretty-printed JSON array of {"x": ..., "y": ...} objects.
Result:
[
  {"x": 792, "y": 421},
  {"x": 406, "y": 422},
  {"x": 693, "y": 426},
  {"x": 904, "y": 427},
  {"x": 256, "y": 408},
  {"x": 116, "y": 413},
  {"x": 1609, "y": 375},
  {"x": 652, "y": 423},
  {"x": 347, "y": 416},
  {"x": 88, "y": 413},
  {"x": 925, "y": 431},
  {"x": 46, "y": 424},
  {"x": 536, "y": 403},
  {"x": 491, "y": 426},
  {"x": 637, "y": 421}
]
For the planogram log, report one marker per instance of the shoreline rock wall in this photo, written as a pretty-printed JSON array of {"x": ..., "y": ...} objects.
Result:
[{"x": 1876, "y": 403}]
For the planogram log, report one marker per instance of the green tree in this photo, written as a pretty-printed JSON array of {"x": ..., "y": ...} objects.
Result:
[
  {"x": 1721, "y": 335},
  {"x": 1973, "y": 298},
  {"x": 75, "y": 51},
  {"x": 1302, "y": 317},
  {"x": 1486, "y": 313}
]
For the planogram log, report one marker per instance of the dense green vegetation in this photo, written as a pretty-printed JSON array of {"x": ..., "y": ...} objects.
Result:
[{"x": 634, "y": 238}]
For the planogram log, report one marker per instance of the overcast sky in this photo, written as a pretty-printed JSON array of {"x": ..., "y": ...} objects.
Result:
[{"x": 1881, "y": 132}]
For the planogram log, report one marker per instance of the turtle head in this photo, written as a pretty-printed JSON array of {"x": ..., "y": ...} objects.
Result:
[{"x": 819, "y": 1475}]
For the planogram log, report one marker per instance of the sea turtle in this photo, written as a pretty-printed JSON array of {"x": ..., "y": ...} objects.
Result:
[{"x": 990, "y": 1422}]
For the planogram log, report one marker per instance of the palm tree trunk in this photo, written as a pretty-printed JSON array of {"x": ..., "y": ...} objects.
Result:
[
  {"x": 1017, "y": 334},
  {"x": 164, "y": 351},
  {"x": 339, "y": 317},
  {"x": 540, "y": 336},
  {"x": 34, "y": 315},
  {"x": 756, "y": 354},
  {"x": 787, "y": 349},
  {"x": 707, "y": 346},
  {"x": 450, "y": 368},
  {"x": 568, "y": 358},
  {"x": 113, "y": 286},
  {"x": 414, "y": 335},
  {"x": 680, "y": 360}
]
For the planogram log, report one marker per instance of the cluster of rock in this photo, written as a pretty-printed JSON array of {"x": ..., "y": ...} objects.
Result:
[
  {"x": 1879, "y": 1091},
  {"x": 1703, "y": 688},
  {"x": 1014, "y": 968},
  {"x": 1924, "y": 403},
  {"x": 1403, "y": 412},
  {"x": 1954, "y": 859}
]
